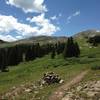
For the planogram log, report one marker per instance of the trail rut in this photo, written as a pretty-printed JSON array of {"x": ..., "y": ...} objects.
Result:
[{"x": 60, "y": 92}]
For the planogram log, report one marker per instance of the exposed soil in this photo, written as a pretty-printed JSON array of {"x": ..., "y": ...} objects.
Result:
[
  {"x": 29, "y": 87},
  {"x": 61, "y": 91}
]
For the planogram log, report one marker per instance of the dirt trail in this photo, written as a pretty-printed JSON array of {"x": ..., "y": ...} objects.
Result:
[
  {"x": 57, "y": 95},
  {"x": 60, "y": 92}
]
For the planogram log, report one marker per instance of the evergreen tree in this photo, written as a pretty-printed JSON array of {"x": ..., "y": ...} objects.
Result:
[
  {"x": 71, "y": 49},
  {"x": 53, "y": 53},
  {"x": 37, "y": 50},
  {"x": 28, "y": 55},
  {"x": 77, "y": 50},
  {"x": 58, "y": 48},
  {"x": 3, "y": 59}
]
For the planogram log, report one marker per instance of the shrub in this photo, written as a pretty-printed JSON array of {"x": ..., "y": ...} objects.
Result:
[{"x": 96, "y": 67}]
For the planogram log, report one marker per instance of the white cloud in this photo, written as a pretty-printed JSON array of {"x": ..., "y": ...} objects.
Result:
[
  {"x": 97, "y": 30},
  {"x": 19, "y": 37},
  {"x": 28, "y": 19},
  {"x": 54, "y": 18},
  {"x": 77, "y": 13},
  {"x": 29, "y": 5},
  {"x": 46, "y": 27},
  {"x": 8, "y": 38},
  {"x": 10, "y": 23},
  {"x": 70, "y": 17}
]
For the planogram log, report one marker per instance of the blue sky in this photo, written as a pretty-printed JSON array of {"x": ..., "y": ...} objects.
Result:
[{"x": 24, "y": 18}]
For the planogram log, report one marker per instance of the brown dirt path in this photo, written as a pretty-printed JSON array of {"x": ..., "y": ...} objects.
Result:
[{"x": 60, "y": 92}]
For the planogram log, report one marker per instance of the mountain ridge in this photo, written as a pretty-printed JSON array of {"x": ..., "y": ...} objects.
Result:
[
  {"x": 53, "y": 39},
  {"x": 87, "y": 33}
]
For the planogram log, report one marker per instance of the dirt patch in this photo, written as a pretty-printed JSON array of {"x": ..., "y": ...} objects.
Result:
[
  {"x": 17, "y": 91},
  {"x": 61, "y": 91},
  {"x": 84, "y": 91}
]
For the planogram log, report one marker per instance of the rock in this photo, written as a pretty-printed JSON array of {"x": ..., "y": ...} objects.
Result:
[
  {"x": 36, "y": 92},
  {"x": 79, "y": 88},
  {"x": 16, "y": 94},
  {"x": 35, "y": 87},
  {"x": 28, "y": 90},
  {"x": 13, "y": 87},
  {"x": 67, "y": 98},
  {"x": 50, "y": 78},
  {"x": 84, "y": 91},
  {"x": 97, "y": 89},
  {"x": 38, "y": 98},
  {"x": 91, "y": 94},
  {"x": 61, "y": 81},
  {"x": 86, "y": 85},
  {"x": 97, "y": 84}
]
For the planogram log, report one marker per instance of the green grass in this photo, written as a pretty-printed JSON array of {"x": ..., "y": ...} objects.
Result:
[{"x": 33, "y": 71}]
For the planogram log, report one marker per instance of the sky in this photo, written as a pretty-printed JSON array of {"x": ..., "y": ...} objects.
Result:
[{"x": 25, "y": 18}]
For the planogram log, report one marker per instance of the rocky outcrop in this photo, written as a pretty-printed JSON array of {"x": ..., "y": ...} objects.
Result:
[{"x": 84, "y": 91}]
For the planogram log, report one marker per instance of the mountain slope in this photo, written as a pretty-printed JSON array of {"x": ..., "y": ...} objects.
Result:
[
  {"x": 41, "y": 39},
  {"x": 1, "y": 41},
  {"x": 87, "y": 33}
]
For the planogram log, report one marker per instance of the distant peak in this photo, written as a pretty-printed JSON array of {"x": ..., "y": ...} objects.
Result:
[{"x": 88, "y": 33}]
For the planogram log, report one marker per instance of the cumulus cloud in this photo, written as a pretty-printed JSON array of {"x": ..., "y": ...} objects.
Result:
[
  {"x": 46, "y": 27},
  {"x": 77, "y": 13},
  {"x": 9, "y": 23},
  {"x": 29, "y": 5},
  {"x": 8, "y": 38}
]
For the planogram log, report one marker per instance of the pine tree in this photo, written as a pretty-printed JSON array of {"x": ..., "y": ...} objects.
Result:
[
  {"x": 71, "y": 49},
  {"x": 37, "y": 50},
  {"x": 53, "y": 53},
  {"x": 3, "y": 59},
  {"x": 77, "y": 50}
]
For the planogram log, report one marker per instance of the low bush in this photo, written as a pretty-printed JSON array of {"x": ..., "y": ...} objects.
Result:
[{"x": 96, "y": 67}]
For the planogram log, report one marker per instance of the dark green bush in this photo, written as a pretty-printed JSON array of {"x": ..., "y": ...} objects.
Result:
[{"x": 96, "y": 67}]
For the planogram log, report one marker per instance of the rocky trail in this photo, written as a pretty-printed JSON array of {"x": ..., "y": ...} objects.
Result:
[
  {"x": 17, "y": 91},
  {"x": 30, "y": 87},
  {"x": 61, "y": 91}
]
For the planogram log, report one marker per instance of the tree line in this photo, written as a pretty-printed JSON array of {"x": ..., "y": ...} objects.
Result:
[
  {"x": 11, "y": 56},
  {"x": 68, "y": 49},
  {"x": 95, "y": 40}
]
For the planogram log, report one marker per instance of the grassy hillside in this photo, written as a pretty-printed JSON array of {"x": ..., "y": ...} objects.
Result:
[
  {"x": 31, "y": 40},
  {"x": 87, "y": 33},
  {"x": 42, "y": 39},
  {"x": 31, "y": 72},
  {"x": 50, "y": 39}
]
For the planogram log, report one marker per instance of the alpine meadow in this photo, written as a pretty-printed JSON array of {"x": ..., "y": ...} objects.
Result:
[{"x": 49, "y": 50}]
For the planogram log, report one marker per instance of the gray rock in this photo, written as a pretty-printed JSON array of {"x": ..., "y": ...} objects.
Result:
[
  {"x": 91, "y": 94},
  {"x": 28, "y": 90},
  {"x": 79, "y": 88}
]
